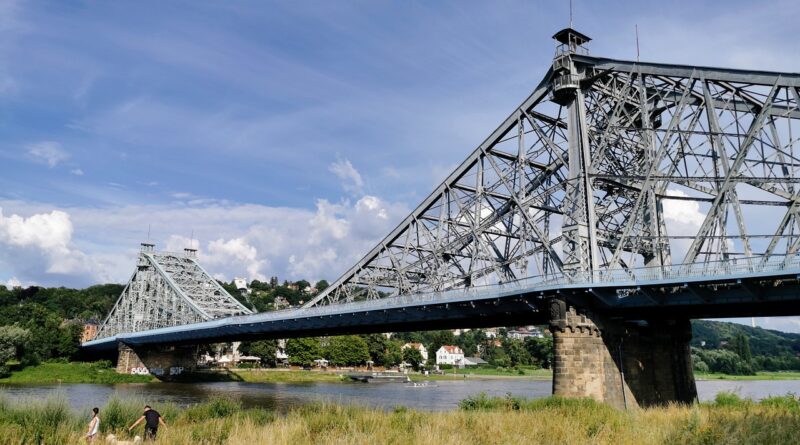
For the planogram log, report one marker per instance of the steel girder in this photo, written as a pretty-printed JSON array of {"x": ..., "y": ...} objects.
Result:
[
  {"x": 168, "y": 289},
  {"x": 607, "y": 164}
]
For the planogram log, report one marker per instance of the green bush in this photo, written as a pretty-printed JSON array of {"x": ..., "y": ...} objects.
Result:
[
  {"x": 788, "y": 402},
  {"x": 215, "y": 408},
  {"x": 731, "y": 399}
]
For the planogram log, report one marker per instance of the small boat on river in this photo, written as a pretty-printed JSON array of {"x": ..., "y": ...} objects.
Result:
[
  {"x": 379, "y": 377},
  {"x": 420, "y": 385}
]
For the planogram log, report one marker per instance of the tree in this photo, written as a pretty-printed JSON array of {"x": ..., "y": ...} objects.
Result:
[
  {"x": 541, "y": 350},
  {"x": 303, "y": 351},
  {"x": 496, "y": 356},
  {"x": 413, "y": 357},
  {"x": 377, "y": 345},
  {"x": 12, "y": 340},
  {"x": 516, "y": 352},
  {"x": 263, "y": 349},
  {"x": 394, "y": 353},
  {"x": 469, "y": 341},
  {"x": 741, "y": 346},
  {"x": 321, "y": 285},
  {"x": 347, "y": 350}
]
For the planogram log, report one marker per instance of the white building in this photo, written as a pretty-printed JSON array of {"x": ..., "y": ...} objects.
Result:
[
  {"x": 280, "y": 352},
  {"x": 449, "y": 355},
  {"x": 423, "y": 351},
  {"x": 523, "y": 333},
  {"x": 241, "y": 285}
]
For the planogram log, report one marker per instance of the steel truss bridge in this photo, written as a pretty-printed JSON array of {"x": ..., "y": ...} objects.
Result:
[{"x": 631, "y": 188}]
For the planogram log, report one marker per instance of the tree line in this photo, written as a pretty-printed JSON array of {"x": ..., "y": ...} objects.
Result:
[
  {"x": 356, "y": 350},
  {"x": 38, "y": 324}
]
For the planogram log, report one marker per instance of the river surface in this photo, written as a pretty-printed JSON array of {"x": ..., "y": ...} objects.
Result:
[{"x": 441, "y": 395}]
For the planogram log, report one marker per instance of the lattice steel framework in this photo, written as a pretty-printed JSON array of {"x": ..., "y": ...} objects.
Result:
[
  {"x": 606, "y": 165},
  {"x": 168, "y": 289}
]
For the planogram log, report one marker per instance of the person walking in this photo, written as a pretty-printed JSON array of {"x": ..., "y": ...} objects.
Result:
[
  {"x": 152, "y": 419},
  {"x": 94, "y": 425}
]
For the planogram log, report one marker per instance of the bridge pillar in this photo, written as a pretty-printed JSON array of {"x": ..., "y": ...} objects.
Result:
[
  {"x": 621, "y": 363},
  {"x": 166, "y": 363}
]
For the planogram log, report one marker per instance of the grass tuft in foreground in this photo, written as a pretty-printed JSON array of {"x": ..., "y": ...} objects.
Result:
[{"x": 480, "y": 420}]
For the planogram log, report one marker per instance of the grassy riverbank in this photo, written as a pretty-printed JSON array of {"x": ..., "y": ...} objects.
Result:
[
  {"x": 102, "y": 372},
  {"x": 284, "y": 376},
  {"x": 761, "y": 375},
  {"x": 73, "y": 372},
  {"x": 490, "y": 373},
  {"x": 480, "y": 420}
]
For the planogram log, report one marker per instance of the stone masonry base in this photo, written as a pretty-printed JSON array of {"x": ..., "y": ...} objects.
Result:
[
  {"x": 622, "y": 363},
  {"x": 163, "y": 362}
]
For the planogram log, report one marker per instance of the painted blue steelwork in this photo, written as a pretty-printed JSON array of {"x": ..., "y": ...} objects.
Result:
[{"x": 638, "y": 291}]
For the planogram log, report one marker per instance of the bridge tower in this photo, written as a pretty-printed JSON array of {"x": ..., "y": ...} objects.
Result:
[
  {"x": 589, "y": 358},
  {"x": 166, "y": 289},
  {"x": 579, "y": 227}
]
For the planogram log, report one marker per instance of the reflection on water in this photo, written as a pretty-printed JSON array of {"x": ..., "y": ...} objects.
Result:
[{"x": 441, "y": 395}]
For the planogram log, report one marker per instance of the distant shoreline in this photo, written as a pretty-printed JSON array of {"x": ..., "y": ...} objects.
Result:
[{"x": 80, "y": 372}]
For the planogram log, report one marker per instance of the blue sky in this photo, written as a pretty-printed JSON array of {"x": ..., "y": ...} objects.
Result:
[{"x": 285, "y": 138}]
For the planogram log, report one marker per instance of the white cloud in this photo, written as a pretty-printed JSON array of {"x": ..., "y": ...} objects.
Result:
[
  {"x": 49, "y": 152},
  {"x": 328, "y": 223},
  {"x": 234, "y": 239},
  {"x": 683, "y": 218},
  {"x": 351, "y": 178},
  {"x": 236, "y": 252},
  {"x": 12, "y": 282},
  {"x": 42, "y": 241},
  {"x": 76, "y": 172}
]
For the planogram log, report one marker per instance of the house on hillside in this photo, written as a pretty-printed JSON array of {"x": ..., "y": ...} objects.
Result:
[
  {"x": 525, "y": 332},
  {"x": 89, "y": 330},
  {"x": 241, "y": 285},
  {"x": 423, "y": 351},
  {"x": 281, "y": 357},
  {"x": 449, "y": 355}
]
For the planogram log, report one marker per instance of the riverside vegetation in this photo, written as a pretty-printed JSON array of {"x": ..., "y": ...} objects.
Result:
[{"x": 479, "y": 420}]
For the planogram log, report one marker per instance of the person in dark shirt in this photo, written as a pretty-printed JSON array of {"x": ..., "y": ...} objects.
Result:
[{"x": 151, "y": 419}]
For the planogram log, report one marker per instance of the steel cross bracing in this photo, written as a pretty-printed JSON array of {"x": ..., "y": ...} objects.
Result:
[
  {"x": 607, "y": 166},
  {"x": 168, "y": 289}
]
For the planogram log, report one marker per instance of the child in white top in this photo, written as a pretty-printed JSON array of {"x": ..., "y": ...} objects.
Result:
[{"x": 94, "y": 425}]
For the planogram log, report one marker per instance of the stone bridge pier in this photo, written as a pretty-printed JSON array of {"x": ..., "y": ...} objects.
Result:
[
  {"x": 164, "y": 362},
  {"x": 623, "y": 363}
]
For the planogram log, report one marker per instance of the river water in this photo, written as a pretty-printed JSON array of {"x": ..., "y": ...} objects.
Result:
[{"x": 441, "y": 395}]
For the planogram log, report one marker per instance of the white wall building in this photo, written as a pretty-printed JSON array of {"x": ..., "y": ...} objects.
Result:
[
  {"x": 280, "y": 352},
  {"x": 523, "y": 333},
  {"x": 241, "y": 285},
  {"x": 449, "y": 355},
  {"x": 423, "y": 351}
]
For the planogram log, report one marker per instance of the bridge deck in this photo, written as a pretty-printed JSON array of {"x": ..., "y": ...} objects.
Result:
[{"x": 741, "y": 287}]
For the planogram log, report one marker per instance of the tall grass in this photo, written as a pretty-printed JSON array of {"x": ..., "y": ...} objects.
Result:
[{"x": 729, "y": 419}]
